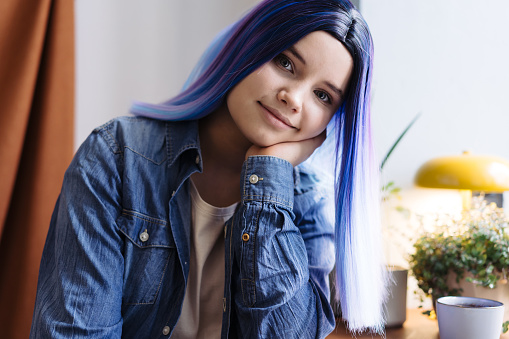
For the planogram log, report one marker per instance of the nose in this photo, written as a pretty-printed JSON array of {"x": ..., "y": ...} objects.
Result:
[{"x": 292, "y": 99}]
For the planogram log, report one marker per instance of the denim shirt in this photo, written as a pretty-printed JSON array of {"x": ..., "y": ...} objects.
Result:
[{"x": 116, "y": 259}]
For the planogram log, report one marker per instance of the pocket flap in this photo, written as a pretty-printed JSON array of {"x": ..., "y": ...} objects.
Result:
[{"x": 145, "y": 231}]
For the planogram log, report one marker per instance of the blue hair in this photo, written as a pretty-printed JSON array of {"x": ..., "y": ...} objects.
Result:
[{"x": 268, "y": 29}]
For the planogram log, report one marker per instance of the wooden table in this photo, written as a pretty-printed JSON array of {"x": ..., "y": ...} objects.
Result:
[{"x": 416, "y": 326}]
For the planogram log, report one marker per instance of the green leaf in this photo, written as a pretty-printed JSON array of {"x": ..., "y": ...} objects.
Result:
[
  {"x": 398, "y": 140},
  {"x": 505, "y": 326}
]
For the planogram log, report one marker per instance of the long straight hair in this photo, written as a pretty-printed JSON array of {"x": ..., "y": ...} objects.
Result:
[{"x": 268, "y": 29}]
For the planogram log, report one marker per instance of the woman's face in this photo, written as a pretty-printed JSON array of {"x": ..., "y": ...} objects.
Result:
[{"x": 294, "y": 96}]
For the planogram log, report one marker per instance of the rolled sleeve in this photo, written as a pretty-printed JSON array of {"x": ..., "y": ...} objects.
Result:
[
  {"x": 268, "y": 179},
  {"x": 274, "y": 294}
]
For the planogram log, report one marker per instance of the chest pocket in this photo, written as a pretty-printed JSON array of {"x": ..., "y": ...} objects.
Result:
[{"x": 149, "y": 253}]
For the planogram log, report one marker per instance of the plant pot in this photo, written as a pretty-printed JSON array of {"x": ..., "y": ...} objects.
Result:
[
  {"x": 396, "y": 300},
  {"x": 499, "y": 293}
]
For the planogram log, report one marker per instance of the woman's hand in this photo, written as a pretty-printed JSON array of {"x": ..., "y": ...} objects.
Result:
[{"x": 293, "y": 151}]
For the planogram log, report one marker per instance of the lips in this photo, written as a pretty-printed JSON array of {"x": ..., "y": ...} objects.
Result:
[{"x": 277, "y": 116}]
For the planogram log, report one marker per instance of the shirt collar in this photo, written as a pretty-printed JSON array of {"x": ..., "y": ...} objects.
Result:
[{"x": 183, "y": 138}]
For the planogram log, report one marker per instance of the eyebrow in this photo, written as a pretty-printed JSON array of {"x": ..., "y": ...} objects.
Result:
[
  {"x": 296, "y": 54},
  {"x": 335, "y": 89}
]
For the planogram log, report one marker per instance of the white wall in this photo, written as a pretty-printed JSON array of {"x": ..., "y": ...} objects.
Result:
[
  {"x": 139, "y": 50},
  {"x": 448, "y": 60}
]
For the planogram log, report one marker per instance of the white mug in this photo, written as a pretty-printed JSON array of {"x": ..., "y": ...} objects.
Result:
[{"x": 469, "y": 318}]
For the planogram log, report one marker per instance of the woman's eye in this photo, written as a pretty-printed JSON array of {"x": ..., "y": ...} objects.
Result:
[
  {"x": 284, "y": 62},
  {"x": 323, "y": 96}
]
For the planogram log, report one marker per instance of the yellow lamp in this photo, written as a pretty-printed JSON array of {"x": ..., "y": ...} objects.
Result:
[{"x": 466, "y": 173}]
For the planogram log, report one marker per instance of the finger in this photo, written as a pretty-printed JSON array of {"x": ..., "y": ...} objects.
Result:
[
  {"x": 321, "y": 137},
  {"x": 313, "y": 143},
  {"x": 294, "y": 151}
]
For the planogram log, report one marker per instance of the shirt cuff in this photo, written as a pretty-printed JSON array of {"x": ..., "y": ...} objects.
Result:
[{"x": 267, "y": 179}]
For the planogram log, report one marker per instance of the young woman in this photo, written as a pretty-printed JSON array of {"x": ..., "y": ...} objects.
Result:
[{"x": 200, "y": 219}]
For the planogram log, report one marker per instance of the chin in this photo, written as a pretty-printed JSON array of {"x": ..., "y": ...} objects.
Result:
[
  {"x": 261, "y": 141},
  {"x": 264, "y": 143}
]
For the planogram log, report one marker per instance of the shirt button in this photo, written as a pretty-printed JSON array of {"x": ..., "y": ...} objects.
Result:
[
  {"x": 144, "y": 236},
  {"x": 245, "y": 237},
  {"x": 166, "y": 330},
  {"x": 173, "y": 193},
  {"x": 253, "y": 179},
  {"x": 197, "y": 160}
]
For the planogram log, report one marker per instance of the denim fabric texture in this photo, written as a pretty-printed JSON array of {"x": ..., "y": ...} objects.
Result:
[{"x": 116, "y": 259}]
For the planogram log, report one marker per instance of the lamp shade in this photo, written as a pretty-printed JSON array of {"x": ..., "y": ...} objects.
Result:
[{"x": 465, "y": 172}]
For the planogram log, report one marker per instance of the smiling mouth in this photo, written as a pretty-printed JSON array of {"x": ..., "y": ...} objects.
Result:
[{"x": 278, "y": 117}]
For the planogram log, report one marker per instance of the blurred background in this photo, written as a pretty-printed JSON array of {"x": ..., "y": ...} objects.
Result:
[{"x": 445, "y": 60}]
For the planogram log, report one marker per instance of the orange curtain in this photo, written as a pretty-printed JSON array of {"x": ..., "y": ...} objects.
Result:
[{"x": 36, "y": 143}]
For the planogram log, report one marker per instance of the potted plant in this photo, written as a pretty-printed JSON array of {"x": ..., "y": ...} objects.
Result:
[
  {"x": 467, "y": 253},
  {"x": 396, "y": 301}
]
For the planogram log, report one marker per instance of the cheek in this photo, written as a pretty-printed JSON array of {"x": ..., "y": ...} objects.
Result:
[
  {"x": 318, "y": 123},
  {"x": 265, "y": 80}
]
